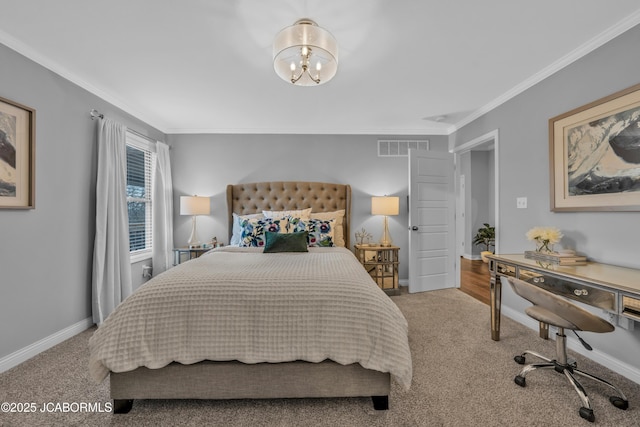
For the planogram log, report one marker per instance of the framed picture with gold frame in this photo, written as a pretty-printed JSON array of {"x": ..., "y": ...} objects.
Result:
[
  {"x": 17, "y": 155},
  {"x": 594, "y": 154}
]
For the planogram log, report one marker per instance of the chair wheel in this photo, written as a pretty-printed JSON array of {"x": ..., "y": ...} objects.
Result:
[
  {"x": 619, "y": 402},
  {"x": 519, "y": 360},
  {"x": 521, "y": 381},
  {"x": 587, "y": 414}
]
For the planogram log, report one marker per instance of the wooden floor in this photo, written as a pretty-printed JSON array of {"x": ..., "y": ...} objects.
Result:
[{"x": 474, "y": 279}]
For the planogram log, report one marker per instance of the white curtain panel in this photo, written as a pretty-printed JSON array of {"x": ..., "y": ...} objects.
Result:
[
  {"x": 111, "y": 282},
  {"x": 162, "y": 210}
]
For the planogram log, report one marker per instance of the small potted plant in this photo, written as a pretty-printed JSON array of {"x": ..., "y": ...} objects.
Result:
[{"x": 486, "y": 236}]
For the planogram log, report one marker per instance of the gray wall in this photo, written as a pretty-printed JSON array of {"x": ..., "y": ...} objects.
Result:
[
  {"x": 479, "y": 197},
  {"x": 205, "y": 164},
  {"x": 46, "y": 253},
  {"x": 464, "y": 169},
  {"x": 609, "y": 237},
  {"x": 481, "y": 187}
]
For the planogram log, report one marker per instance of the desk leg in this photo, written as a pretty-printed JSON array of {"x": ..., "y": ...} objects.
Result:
[{"x": 495, "y": 288}]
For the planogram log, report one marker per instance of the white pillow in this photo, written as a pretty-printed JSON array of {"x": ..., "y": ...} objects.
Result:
[
  {"x": 338, "y": 217},
  {"x": 303, "y": 214},
  {"x": 236, "y": 235}
]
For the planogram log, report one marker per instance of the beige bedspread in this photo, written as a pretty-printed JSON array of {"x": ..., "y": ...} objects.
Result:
[{"x": 241, "y": 304}]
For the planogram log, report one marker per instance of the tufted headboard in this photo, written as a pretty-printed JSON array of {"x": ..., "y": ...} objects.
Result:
[{"x": 282, "y": 195}]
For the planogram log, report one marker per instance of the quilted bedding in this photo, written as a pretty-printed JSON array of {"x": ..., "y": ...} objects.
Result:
[{"x": 241, "y": 304}]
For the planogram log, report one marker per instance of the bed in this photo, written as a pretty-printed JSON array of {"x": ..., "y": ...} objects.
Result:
[{"x": 358, "y": 339}]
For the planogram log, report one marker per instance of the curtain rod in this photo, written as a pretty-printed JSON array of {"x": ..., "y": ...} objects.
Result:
[{"x": 94, "y": 113}]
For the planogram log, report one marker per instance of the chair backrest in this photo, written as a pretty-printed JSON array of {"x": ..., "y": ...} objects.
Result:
[{"x": 580, "y": 317}]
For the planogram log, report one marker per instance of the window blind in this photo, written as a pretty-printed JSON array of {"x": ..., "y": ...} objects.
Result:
[{"x": 140, "y": 163}]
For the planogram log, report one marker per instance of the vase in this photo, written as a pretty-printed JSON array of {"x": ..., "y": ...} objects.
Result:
[{"x": 544, "y": 247}]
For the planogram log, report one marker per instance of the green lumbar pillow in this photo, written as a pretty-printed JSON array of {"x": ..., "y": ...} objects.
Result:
[{"x": 289, "y": 242}]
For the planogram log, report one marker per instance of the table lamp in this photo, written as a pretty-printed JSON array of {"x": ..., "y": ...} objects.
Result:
[
  {"x": 385, "y": 205},
  {"x": 194, "y": 205}
]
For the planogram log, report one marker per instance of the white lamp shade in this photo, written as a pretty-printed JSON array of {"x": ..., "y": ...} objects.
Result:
[
  {"x": 194, "y": 205},
  {"x": 385, "y": 205}
]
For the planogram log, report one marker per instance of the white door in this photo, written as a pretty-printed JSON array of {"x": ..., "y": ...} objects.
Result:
[{"x": 431, "y": 221}]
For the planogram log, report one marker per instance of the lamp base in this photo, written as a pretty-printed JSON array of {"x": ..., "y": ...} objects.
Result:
[
  {"x": 193, "y": 241},
  {"x": 386, "y": 237}
]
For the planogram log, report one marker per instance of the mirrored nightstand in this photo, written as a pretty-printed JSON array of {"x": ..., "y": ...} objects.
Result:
[{"x": 381, "y": 262}]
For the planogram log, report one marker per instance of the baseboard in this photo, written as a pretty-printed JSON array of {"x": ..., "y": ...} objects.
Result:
[
  {"x": 471, "y": 257},
  {"x": 403, "y": 282},
  {"x": 596, "y": 355},
  {"x": 26, "y": 353}
]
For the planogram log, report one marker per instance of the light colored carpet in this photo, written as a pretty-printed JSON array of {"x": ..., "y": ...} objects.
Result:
[{"x": 461, "y": 378}]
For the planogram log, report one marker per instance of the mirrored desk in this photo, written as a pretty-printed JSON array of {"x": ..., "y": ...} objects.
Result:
[{"x": 611, "y": 288}]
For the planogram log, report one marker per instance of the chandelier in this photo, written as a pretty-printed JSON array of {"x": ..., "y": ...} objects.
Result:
[{"x": 305, "y": 54}]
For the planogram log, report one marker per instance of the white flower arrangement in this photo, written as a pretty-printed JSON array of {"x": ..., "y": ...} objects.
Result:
[{"x": 544, "y": 236}]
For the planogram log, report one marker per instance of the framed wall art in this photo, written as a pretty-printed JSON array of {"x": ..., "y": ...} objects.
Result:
[
  {"x": 17, "y": 155},
  {"x": 594, "y": 154}
]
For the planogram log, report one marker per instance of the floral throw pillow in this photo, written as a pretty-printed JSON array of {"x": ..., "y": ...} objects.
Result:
[
  {"x": 321, "y": 232},
  {"x": 338, "y": 229},
  {"x": 237, "y": 227},
  {"x": 295, "y": 225},
  {"x": 254, "y": 229}
]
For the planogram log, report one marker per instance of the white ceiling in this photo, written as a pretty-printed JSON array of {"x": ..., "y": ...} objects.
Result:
[{"x": 406, "y": 67}]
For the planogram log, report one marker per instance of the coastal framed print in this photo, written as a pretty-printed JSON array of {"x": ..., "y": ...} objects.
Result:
[
  {"x": 594, "y": 154},
  {"x": 17, "y": 156}
]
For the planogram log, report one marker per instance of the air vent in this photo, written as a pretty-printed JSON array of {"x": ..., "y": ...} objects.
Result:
[{"x": 400, "y": 148}]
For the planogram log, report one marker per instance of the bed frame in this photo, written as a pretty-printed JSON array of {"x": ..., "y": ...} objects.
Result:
[{"x": 235, "y": 380}]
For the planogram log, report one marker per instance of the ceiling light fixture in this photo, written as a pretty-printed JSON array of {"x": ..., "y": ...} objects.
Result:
[{"x": 305, "y": 54}]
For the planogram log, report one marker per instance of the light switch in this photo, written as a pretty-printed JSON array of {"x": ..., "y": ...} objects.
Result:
[{"x": 521, "y": 203}]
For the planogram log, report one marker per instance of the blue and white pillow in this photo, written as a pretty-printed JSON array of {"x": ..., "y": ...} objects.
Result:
[
  {"x": 295, "y": 224},
  {"x": 236, "y": 235},
  {"x": 254, "y": 229},
  {"x": 321, "y": 232}
]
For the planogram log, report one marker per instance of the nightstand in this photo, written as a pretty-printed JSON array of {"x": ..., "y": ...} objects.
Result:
[
  {"x": 190, "y": 253},
  {"x": 381, "y": 262}
]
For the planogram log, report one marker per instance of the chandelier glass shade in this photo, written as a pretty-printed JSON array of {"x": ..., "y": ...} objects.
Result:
[{"x": 305, "y": 54}]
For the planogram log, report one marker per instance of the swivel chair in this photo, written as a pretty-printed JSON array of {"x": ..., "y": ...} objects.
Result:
[{"x": 554, "y": 310}]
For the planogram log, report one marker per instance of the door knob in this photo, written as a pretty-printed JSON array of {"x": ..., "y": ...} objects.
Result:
[{"x": 414, "y": 228}]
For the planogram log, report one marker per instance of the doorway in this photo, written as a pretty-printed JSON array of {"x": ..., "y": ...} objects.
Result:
[
  {"x": 477, "y": 202},
  {"x": 474, "y": 279}
]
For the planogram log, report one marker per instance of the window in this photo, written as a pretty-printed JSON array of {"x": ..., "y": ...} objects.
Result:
[{"x": 140, "y": 162}]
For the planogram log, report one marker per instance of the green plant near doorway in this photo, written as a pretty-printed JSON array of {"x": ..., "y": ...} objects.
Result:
[{"x": 486, "y": 236}]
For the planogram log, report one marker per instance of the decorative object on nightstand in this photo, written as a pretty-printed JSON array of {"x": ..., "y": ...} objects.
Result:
[
  {"x": 194, "y": 205},
  {"x": 191, "y": 253},
  {"x": 381, "y": 262},
  {"x": 363, "y": 237},
  {"x": 385, "y": 205}
]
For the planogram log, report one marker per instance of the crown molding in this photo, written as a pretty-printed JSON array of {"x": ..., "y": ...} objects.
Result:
[
  {"x": 586, "y": 48},
  {"x": 48, "y": 63},
  {"x": 270, "y": 131}
]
